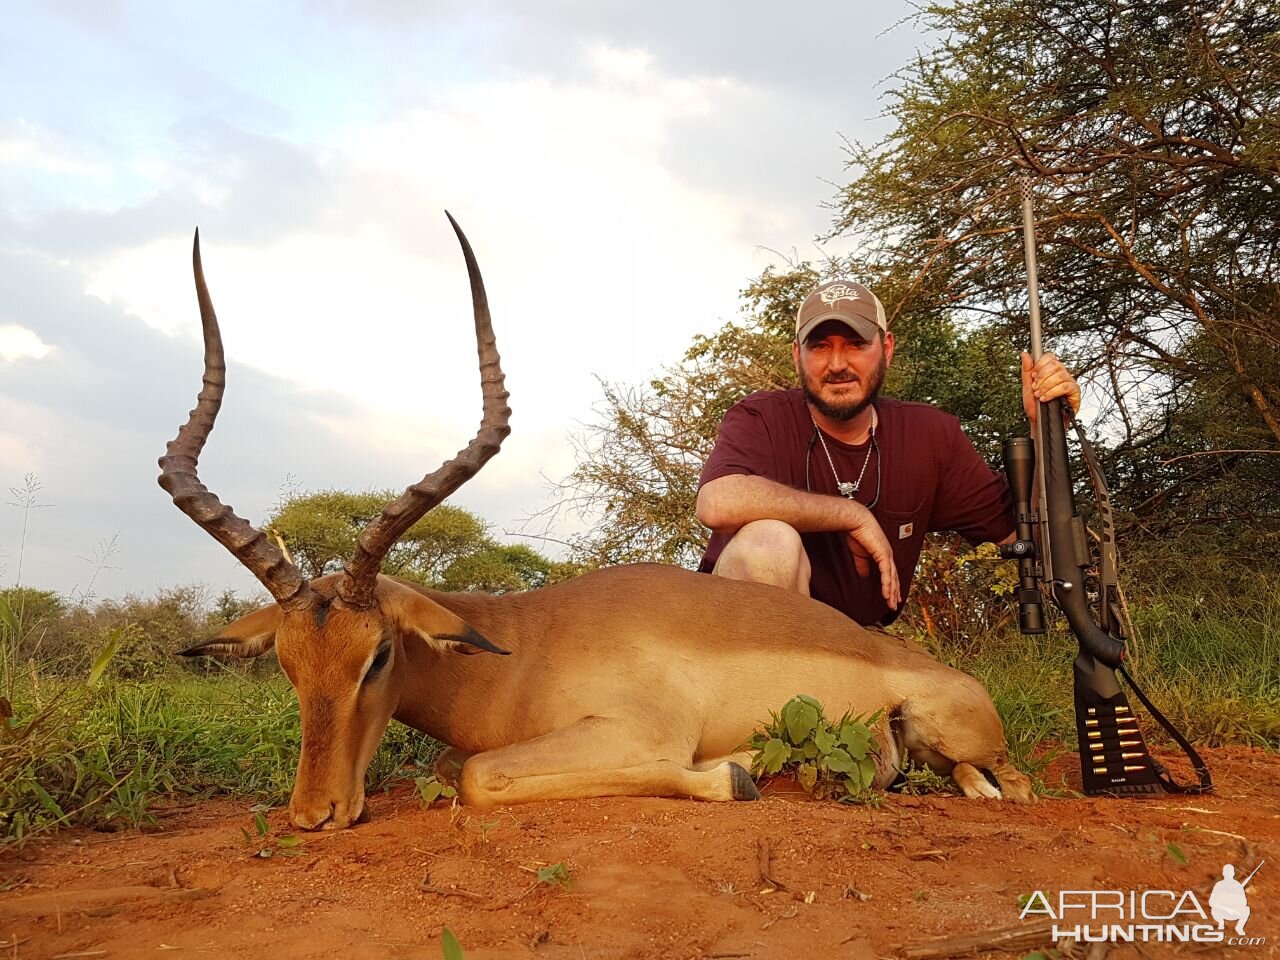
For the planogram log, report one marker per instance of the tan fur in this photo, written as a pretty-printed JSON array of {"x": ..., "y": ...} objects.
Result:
[{"x": 636, "y": 680}]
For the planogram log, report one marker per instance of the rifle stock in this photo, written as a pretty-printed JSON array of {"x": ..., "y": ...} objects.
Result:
[{"x": 1067, "y": 541}]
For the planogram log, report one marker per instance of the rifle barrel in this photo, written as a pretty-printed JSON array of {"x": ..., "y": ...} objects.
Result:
[
  {"x": 1037, "y": 347},
  {"x": 1033, "y": 282},
  {"x": 1250, "y": 876}
]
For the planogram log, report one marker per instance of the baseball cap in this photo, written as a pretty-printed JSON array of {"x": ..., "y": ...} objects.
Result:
[{"x": 843, "y": 300}]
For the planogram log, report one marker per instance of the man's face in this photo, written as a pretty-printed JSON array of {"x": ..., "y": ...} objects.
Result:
[{"x": 841, "y": 373}]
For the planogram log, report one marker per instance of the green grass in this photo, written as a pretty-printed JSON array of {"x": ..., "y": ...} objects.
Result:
[
  {"x": 1215, "y": 676},
  {"x": 104, "y": 755}
]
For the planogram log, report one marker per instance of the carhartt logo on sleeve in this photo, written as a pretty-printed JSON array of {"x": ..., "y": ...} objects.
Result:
[{"x": 904, "y": 531}]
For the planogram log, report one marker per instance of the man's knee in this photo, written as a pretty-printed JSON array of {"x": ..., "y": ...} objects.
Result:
[{"x": 766, "y": 551}]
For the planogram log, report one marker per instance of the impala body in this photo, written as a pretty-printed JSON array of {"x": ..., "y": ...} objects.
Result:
[{"x": 634, "y": 680}]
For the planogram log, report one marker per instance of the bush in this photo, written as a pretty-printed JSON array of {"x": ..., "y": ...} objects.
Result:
[
  {"x": 59, "y": 639},
  {"x": 961, "y": 594}
]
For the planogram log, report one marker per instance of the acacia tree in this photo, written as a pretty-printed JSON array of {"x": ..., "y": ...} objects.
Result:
[
  {"x": 449, "y": 548},
  {"x": 1151, "y": 132},
  {"x": 637, "y": 468}
]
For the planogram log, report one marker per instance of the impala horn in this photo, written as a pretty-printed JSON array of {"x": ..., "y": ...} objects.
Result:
[
  {"x": 356, "y": 586},
  {"x": 178, "y": 473},
  {"x": 265, "y": 560}
]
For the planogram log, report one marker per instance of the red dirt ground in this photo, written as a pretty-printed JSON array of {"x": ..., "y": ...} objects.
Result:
[{"x": 649, "y": 877}]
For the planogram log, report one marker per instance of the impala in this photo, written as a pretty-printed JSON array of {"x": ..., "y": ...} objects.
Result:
[{"x": 633, "y": 680}]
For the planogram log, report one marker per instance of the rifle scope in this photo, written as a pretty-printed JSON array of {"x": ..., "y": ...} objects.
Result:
[{"x": 1019, "y": 455}]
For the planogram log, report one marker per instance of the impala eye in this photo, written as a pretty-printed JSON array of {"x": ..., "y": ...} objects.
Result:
[{"x": 379, "y": 662}]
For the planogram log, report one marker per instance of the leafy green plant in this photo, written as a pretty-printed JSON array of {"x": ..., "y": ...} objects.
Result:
[
  {"x": 917, "y": 780},
  {"x": 431, "y": 789},
  {"x": 116, "y": 636},
  {"x": 556, "y": 875},
  {"x": 8, "y": 643},
  {"x": 8, "y": 619},
  {"x": 831, "y": 760},
  {"x": 264, "y": 845}
]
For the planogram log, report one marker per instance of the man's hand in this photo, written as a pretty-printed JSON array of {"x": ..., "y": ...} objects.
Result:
[
  {"x": 1045, "y": 381},
  {"x": 868, "y": 544}
]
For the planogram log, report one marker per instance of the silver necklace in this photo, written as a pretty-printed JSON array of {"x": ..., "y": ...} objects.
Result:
[{"x": 846, "y": 488}]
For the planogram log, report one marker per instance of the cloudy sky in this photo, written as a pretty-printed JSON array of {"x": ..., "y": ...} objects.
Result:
[{"x": 621, "y": 169}]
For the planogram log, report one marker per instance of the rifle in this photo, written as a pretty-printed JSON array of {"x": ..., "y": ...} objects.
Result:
[
  {"x": 1250, "y": 876},
  {"x": 1055, "y": 559}
]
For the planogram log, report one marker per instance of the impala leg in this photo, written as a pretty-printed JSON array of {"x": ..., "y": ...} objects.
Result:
[
  {"x": 595, "y": 757},
  {"x": 958, "y": 733},
  {"x": 1015, "y": 784},
  {"x": 973, "y": 784},
  {"x": 742, "y": 759},
  {"x": 448, "y": 766}
]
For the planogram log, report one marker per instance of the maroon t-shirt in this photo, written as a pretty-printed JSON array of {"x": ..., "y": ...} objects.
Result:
[{"x": 926, "y": 473}]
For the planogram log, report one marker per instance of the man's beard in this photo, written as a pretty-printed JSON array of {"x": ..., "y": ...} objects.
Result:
[{"x": 850, "y": 408}]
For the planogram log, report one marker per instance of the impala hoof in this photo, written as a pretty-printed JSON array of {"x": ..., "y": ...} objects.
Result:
[{"x": 744, "y": 788}]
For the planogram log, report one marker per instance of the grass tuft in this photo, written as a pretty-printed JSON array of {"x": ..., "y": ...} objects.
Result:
[{"x": 103, "y": 756}]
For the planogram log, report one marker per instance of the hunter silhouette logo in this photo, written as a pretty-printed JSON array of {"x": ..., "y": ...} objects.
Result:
[
  {"x": 841, "y": 291},
  {"x": 1228, "y": 901},
  {"x": 1140, "y": 916}
]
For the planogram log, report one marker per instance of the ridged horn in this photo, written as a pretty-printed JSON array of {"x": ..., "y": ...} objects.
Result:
[
  {"x": 361, "y": 572},
  {"x": 178, "y": 473}
]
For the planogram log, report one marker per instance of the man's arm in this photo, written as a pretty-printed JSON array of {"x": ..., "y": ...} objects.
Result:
[{"x": 730, "y": 502}]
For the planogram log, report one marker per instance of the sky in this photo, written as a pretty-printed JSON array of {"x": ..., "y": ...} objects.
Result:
[{"x": 622, "y": 171}]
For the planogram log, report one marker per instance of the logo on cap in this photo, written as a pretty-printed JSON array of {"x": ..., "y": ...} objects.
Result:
[{"x": 840, "y": 291}]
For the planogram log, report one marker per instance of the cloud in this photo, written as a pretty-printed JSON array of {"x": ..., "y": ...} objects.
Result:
[
  {"x": 24, "y": 146},
  {"x": 247, "y": 187},
  {"x": 598, "y": 258},
  {"x": 827, "y": 50},
  {"x": 621, "y": 170},
  {"x": 791, "y": 86},
  {"x": 18, "y": 343},
  {"x": 96, "y": 413}
]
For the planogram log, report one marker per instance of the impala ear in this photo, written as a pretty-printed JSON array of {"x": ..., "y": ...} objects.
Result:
[
  {"x": 250, "y": 636},
  {"x": 414, "y": 615},
  {"x": 467, "y": 642}
]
